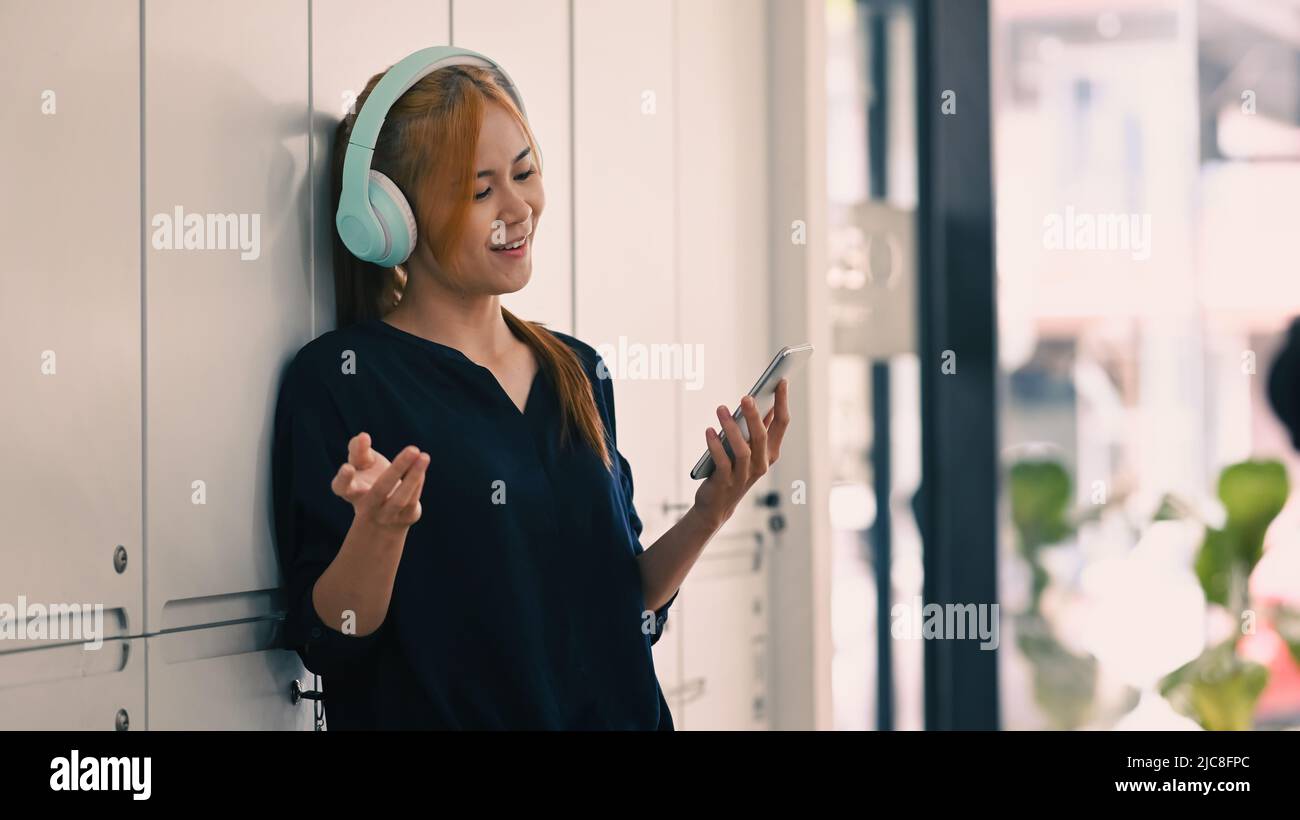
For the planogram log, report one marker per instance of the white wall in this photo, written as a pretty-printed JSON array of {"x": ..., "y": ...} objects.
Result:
[{"x": 653, "y": 121}]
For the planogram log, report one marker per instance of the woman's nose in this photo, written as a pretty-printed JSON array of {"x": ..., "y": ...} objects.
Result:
[{"x": 516, "y": 219}]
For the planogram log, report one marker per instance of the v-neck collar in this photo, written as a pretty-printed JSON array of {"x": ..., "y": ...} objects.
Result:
[
  {"x": 447, "y": 351},
  {"x": 528, "y": 398}
]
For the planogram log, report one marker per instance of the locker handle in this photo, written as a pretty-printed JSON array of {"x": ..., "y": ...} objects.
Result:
[{"x": 297, "y": 693}]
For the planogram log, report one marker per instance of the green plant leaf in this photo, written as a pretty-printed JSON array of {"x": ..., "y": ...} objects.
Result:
[
  {"x": 1169, "y": 510},
  {"x": 1253, "y": 493},
  {"x": 1214, "y": 566},
  {"x": 1040, "y": 498},
  {"x": 1218, "y": 689}
]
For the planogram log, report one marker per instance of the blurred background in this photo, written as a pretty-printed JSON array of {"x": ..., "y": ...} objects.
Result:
[
  {"x": 1041, "y": 249},
  {"x": 1132, "y": 421}
]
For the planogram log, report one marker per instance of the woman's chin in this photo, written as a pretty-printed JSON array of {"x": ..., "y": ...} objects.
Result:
[{"x": 517, "y": 279}]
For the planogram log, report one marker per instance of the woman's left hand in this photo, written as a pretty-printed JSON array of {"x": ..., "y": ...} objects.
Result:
[{"x": 722, "y": 491}]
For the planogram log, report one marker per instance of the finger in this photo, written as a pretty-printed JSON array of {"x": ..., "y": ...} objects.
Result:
[
  {"x": 350, "y": 486},
  {"x": 387, "y": 481},
  {"x": 757, "y": 433},
  {"x": 408, "y": 492},
  {"x": 739, "y": 448},
  {"x": 360, "y": 455},
  {"x": 342, "y": 483},
  {"x": 780, "y": 421},
  {"x": 721, "y": 461}
]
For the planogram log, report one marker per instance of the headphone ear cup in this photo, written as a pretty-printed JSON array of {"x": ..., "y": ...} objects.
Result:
[{"x": 395, "y": 219}]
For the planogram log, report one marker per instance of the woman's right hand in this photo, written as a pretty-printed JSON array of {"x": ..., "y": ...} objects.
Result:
[{"x": 382, "y": 493}]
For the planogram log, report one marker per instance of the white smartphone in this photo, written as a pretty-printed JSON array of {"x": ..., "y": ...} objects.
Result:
[{"x": 787, "y": 361}]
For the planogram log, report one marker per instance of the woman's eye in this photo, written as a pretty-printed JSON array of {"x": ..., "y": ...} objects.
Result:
[{"x": 520, "y": 177}]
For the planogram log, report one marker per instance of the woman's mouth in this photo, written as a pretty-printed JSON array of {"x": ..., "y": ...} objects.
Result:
[{"x": 517, "y": 250}]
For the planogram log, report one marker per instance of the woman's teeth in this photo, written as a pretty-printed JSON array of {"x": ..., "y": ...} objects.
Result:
[{"x": 512, "y": 247}]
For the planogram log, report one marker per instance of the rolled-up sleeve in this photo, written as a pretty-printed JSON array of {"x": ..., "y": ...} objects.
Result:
[
  {"x": 605, "y": 389},
  {"x": 309, "y": 443}
]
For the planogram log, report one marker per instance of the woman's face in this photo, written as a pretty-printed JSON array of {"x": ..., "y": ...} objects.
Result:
[{"x": 507, "y": 206}]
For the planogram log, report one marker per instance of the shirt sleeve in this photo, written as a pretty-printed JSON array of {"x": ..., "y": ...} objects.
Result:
[
  {"x": 605, "y": 389},
  {"x": 309, "y": 443}
]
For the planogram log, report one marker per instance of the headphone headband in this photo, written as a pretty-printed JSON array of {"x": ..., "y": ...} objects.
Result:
[
  {"x": 406, "y": 73},
  {"x": 374, "y": 220}
]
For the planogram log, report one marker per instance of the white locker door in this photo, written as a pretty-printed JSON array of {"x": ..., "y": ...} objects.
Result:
[
  {"x": 530, "y": 38},
  {"x": 226, "y": 677},
  {"x": 70, "y": 308},
  {"x": 226, "y": 123},
  {"x": 725, "y": 641},
  {"x": 350, "y": 43},
  {"x": 624, "y": 282},
  {"x": 722, "y": 259},
  {"x": 73, "y": 688}
]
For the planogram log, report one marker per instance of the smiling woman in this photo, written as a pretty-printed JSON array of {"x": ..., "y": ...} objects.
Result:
[
  {"x": 490, "y": 575},
  {"x": 457, "y": 118},
  {"x": 501, "y": 587}
]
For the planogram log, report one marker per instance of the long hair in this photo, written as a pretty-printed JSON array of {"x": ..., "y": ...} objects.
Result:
[{"x": 426, "y": 146}]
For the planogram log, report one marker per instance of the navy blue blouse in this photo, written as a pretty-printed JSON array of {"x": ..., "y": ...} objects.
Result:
[{"x": 526, "y": 614}]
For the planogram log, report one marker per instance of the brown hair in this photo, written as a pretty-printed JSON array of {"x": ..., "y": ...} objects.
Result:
[{"x": 426, "y": 147}]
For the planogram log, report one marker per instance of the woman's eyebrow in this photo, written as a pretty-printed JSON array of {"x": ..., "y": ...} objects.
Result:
[{"x": 490, "y": 173}]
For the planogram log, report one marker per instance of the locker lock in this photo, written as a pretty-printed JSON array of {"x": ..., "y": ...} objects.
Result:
[
  {"x": 297, "y": 693},
  {"x": 119, "y": 559},
  {"x": 122, "y": 722}
]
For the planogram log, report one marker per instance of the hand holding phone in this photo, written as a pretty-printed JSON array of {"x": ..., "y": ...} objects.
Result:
[{"x": 786, "y": 362}]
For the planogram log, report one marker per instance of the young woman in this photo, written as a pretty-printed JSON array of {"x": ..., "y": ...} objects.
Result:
[{"x": 490, "y": 575}]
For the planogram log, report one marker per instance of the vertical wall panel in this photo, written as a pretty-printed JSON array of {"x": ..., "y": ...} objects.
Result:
[
  {"x": 722, "y": 309},
  {"x": 348, "y": 47},
  {"x": 70, "y": 303},
  {"x": 624, "y": 196},
  {"x": 721, "y": 211},
  {"x": 225, "y": 133},
  {"x": 530, "y": 38},
  {"x": 624, "y": 109},
  {"x": 799, "y": 609}
]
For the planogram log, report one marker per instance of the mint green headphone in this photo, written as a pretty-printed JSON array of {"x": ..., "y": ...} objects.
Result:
[{"x": 374, "y": 219}]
